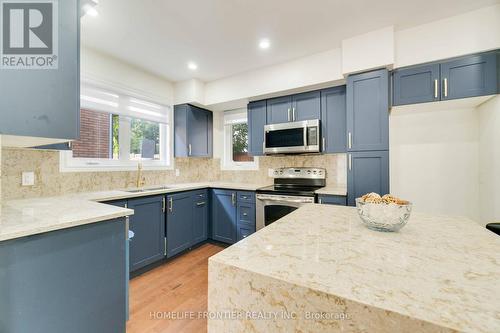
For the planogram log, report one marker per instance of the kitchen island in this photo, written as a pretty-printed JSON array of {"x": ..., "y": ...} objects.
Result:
[{"x": 320, "y": 270}]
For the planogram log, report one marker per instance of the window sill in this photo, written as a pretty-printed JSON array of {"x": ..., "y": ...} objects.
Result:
[{"x": 240, "y": 167}]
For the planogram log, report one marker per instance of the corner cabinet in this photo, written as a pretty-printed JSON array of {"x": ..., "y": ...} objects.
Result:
[
  {"x": 148, "y": 225},
  {"x": 193, "y": 131},
  {"x": 367, "y": 172},
  {"x": 368, "y": 111},
  {"x": 328, "y": 199},
  {"x": 256, "y": 113},
  {"x": 468, "y": 76},
  {"x": 333, "y": 120},
  {"x": 46, "y": 102}
]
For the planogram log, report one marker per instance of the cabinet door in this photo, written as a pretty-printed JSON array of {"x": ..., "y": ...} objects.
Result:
[
  {"x": 470, "y": 76},
  {"x": 200, "y": 127},
  {"x": 333, "y": 120},
  {"x": 224, "y": 216},
  {"x": 179, "y": 222},
  {"x": 245, "y": 230},
  {"x": 367, "y": 172},
  {"x": 368, "y": 111},
  {"x": 200, "y": 216},
  {"x": 279, "y": 110},
  {"x": 46, "y": 102},
  {"x": 306, "y": 106},
  {"x": 416, "y": 85},
  {"x": 256, "y": 122},
  {"x": 332, "y": 200},
  {"x": 148, "y": 225}
]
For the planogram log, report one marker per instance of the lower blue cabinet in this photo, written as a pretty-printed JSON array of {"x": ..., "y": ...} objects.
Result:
[
  {"x": 233, "y": 215},
  {"x": 367, "y": 172},
  {"x": 200, "y": 217},
  {"x": 224, "y": 215},
  {"x": 179, "y": 222},
  {"x": 340, "y": 200},
  {"x": 148, "y": 226}
]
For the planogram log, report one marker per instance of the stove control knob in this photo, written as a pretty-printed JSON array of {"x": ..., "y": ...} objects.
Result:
[
  {"x": 314, "y": 171},
  {"x": 308, "y": 171}
]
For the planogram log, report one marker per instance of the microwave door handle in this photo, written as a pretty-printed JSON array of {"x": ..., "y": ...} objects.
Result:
[{"x": 305, "y": 137}]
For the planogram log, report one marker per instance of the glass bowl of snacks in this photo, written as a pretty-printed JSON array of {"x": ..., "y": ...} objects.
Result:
[{"x": 386, "y": 213}]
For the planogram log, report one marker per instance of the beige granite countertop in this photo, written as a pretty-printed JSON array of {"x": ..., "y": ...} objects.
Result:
[
  {"x": 437, "y": 274},
  {"x": 26, "y": 217},
  {"x": 332, "y": 190}
]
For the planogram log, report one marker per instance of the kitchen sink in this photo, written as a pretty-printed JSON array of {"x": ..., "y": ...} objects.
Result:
[{"x": 140, "y": 190}]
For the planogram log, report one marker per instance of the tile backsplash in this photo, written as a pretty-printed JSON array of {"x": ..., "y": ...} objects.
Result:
[{"x": 49, "y": 181}]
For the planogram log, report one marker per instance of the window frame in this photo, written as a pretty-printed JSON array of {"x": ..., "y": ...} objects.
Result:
[
  {"x": 67, "y": 163},
  {"x": 231, "y": 118}
]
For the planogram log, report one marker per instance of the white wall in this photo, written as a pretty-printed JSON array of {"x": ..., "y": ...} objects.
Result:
[
  {"x": 189, "y": 91},
  {"x": 313, "y": 70},
  {"x": 99, "y": 67},
  {"x": 434, "y": 158},
  {"x": 489, "y": 161},
  {"x": 471, "y": 32}
]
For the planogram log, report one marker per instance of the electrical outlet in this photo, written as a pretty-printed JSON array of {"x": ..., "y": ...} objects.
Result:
[
  {"x": 177, "y": 172},
  {"x": 28, "y": 178}
]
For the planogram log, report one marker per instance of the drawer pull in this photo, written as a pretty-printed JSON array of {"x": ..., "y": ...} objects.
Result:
[
  {"x": 200, "y": 203},
  {"x": 245, "y": 214}
]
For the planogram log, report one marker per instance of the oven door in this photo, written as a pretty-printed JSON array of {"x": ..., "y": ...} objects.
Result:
[
  {"x": 296, "y": 137},
  {"x": 270, "y": 207}
]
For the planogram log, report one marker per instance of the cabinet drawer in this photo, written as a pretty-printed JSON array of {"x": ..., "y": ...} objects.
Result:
[
  {"x": 246, "y": 213},
  {"x": 199, "y": 195},
  {"x": 246, "y": 197},
  {"x": 332, "y": 200},
  {"x": 245, "y": 230}
]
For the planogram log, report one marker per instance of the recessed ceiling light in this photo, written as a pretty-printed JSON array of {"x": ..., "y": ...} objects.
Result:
[
  {"x": 192, "y": 66},
  {"x": 264, "y": 44},
  {"x": 90, "y": 10}
]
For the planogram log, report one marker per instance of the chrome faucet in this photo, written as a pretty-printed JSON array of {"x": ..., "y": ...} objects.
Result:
[{"x": 140, "y": 179}]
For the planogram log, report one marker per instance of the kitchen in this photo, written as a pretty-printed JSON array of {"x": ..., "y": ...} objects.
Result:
[{"x": 165, "y": 180}]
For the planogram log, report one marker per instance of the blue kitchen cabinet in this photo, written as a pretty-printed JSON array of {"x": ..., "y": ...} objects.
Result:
[
  {"x": 470, "y": 76},
  {"x": 193, "y": 131},
  {"x": 417, "y": 84},
  {"x": 179, "y": 222},
  {"x": 224, "y": 215},
  {"x": 245, "y": 223},
  {"x": 257, "y": 114},
  {"x": 333, "y": 120},
  {"x": 367, "y": 172},
  {"x": 368, "y": 111},
  {"x": 200, "y": 217},
  {"x": 70, "y": 280},
  {"x": 279, "y": 110},
  {"x": 326, "y": 199},
  {"x": 46, "y": 102},
  {"x": 306, "y": 106},
  {"x": 148, "y": 226}
]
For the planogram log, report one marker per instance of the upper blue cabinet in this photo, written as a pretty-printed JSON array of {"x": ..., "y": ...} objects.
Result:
[
  {"x": 304, "y": 106},
  {"x": 469, "y": 76},
  {"x": 368, "y": 111},
  {"x": 256, "y": 121},
  {"x": 416, "y": 85},
  {"x": 193, "y": 131},
  {"x": 40, "y": 81},
  {"x": 333, "y": 120}
]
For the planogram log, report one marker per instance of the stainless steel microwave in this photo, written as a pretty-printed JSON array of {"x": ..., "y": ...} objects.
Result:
[{"x": 292, "y": 138}]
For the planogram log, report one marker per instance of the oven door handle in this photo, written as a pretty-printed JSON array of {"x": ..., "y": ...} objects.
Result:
[{"x": 285, "y": 200}]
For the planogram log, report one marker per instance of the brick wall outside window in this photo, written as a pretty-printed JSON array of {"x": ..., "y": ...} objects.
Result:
[{"x": 95, "y": 139}]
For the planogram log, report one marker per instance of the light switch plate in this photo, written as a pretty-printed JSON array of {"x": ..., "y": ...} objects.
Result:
[{"x": 28, "y": 178}]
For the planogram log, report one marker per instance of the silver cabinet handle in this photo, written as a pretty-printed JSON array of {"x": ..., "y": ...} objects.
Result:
[
  {"x": 293, "y": 114},
  {"x": 445, "y": 84},
  {"x": 320, "y": 201},
  {"x": 436, "y": 88},
  {"x": 350, "y": 162},
  {"x": 245, "y": 214},
  {"x": 165, "y": 246},
  {"x": 349, "y": 139},
  {"x": 163, "y": 205},
  {"x": 288, "y": 114},
  {"x": 189, "y": 150},
  {"x": 200, "y": 203},
  {"x": 171, "y": 205},
  {"x": 233, "y": 198},
  {"x": 324, "y": 144}
]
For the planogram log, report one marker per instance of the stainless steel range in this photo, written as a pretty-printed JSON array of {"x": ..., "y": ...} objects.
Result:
[{"x": 293, "y": 187}]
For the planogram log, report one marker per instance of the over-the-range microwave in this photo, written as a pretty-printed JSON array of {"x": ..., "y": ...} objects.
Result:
[{"x": 292, "y": 138}]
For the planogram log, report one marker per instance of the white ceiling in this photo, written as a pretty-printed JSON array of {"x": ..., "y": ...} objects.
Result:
[{"x": 221, "y": 36}]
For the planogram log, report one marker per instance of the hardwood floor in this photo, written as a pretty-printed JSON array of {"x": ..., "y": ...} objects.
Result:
[{"x": 174, "y": 288}]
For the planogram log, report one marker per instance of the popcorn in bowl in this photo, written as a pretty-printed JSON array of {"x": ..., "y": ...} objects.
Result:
[{"x": 386, "y": 213}]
